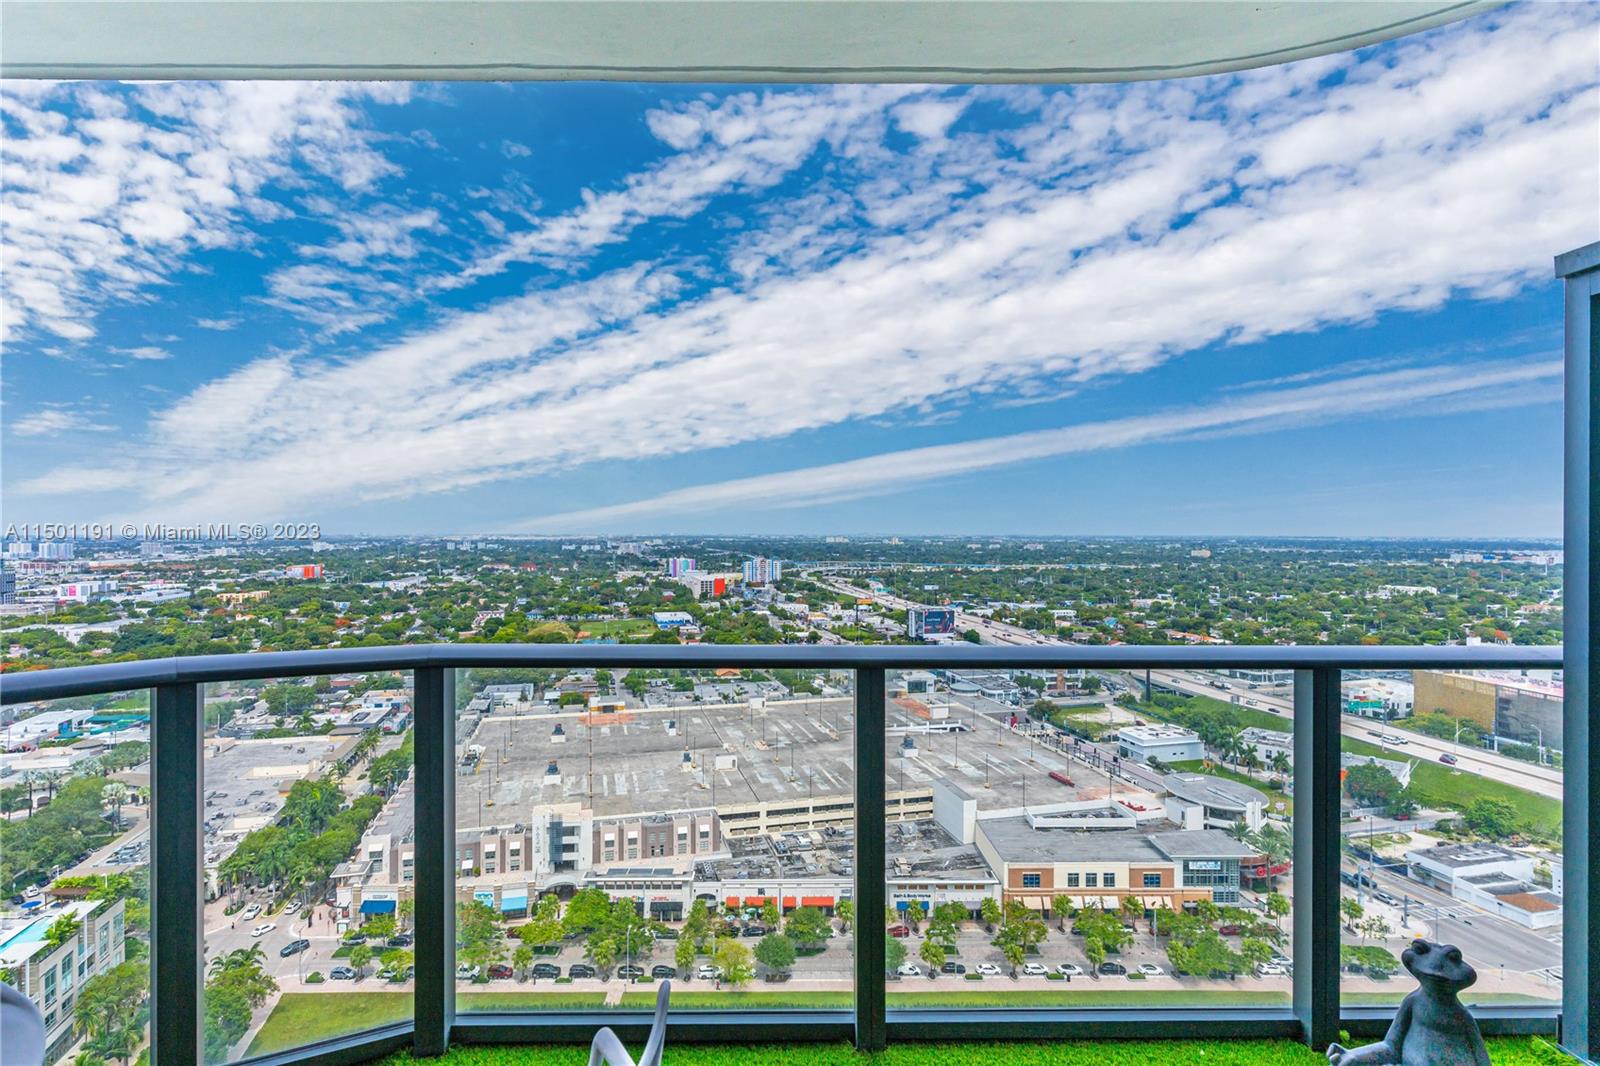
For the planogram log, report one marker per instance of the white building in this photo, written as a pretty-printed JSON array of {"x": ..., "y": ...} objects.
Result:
[
  {"x": 1378, "y": 697},
  {"x": 1490, "y": 877},
  {"x": 53, "y": 977},
  {"x": 1200, "y": 801},
  {"x": 1164, "y": 743}
]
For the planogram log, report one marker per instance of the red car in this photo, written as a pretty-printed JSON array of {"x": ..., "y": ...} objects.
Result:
[
  {"x": 499, "y": 972},
  {"x": 899, "y": 931},
  {"x": 1448, "y": 759}
]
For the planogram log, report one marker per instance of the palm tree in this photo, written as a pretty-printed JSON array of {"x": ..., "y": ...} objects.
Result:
[
  {"x": 238, "y": 959},
  {"x": 116, "y": 794}
]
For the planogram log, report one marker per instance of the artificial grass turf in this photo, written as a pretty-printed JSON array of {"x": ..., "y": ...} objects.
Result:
[
  {"x": 1509, "y": 1051},
  {"x": 304, "y": 1017}
]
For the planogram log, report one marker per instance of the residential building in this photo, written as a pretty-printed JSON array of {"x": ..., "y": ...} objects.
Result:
[
  {"x": 52, "y": 977},
  {"x": 762, "y": 571}
]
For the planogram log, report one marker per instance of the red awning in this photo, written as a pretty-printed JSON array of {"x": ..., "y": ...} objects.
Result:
[
  {"x": 788, "y": 901},
  {"x": 816, "y": 901},
  {"x": 757, "y": 901},
  {"x": 733, "y": 901}
]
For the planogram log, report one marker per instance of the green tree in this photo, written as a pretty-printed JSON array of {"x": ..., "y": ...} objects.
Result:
[
  {"x": 1278, "y": 907},
  {"x": 1061, "y": 908},
  {"x": 111, "y": 1010},
  {"x": 380, "y": 926},
  {"x": 1374, "y": 786},
  {"x": 1492, "y": 818},
  {"x": 733, "y": 959},
  {"x": 479, "y": 940},
  {"x": 360, "y": 955},
  {"x": 807, "y": 926},
  {"x": 845, "y": 911},
  {"x": 1351, "y": 911},
  {"x": 396, "y": 961},
  {"x": 894, "y": 953},
  {"x": 989, "y": 911},
  {"x": 769, "y": 914},
  {"x": 683, "y": 956},
  {"x": 932, "y": 952},
  {"x": 544, "y": 930},
  {"x": 1095, "y": 951},
  {"x": 522, "y": 959},
  {"x": 776, "y": 952},
  {"x": 61, "y": 930}
]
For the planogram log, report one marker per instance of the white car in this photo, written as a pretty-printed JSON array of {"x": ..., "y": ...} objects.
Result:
[
  {"x": 709, "y": 973},
  {"x": 988, "y": 969},
  {"x": 1069, "y": 969},
  {"x": 264, "y": 928},
  {"x": 908, "y": 969},
  {"x": 250, "y": 912},
  {"x": 466, "y": 973},
  {"x": 1281, "y": 960},
  {"x": 1035, "y": 969},
  {"x": 1150, "y": 969},
  {"x": 1270, "y": 969}
]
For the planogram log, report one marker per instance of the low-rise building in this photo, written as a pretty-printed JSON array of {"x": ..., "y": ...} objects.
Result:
[
  {"x": 1491, "y": 878},
  {"x": 1201, "y": 801},
  {"x": 1164, "y": 743}
]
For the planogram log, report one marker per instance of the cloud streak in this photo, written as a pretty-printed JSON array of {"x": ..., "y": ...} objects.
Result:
[{"x": 1442, "y": 389}]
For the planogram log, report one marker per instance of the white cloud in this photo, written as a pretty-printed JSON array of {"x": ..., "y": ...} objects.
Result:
[
  {"x": 218, "y": 324},
  {"x": 515, "y": 150},
  {"x": 148, "y": 352},
  {"x": 53, "y": 419},
  {"x": 1427, "y": 391},
  {"x": 109, "y": 188},
  {"x": 1101, "y": 233}
]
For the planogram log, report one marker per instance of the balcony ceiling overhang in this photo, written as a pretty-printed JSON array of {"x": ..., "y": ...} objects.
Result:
[{"x": 691, "y": 40}]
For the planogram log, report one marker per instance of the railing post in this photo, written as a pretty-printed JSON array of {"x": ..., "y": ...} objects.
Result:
[
  {"x": 435, "y": 912},
  {"x": 177, "y": 966},
  {"x": 1580, "y": 834},
  {"x": 870, "y": 890},
  {"x": 1316, "y": 854}
]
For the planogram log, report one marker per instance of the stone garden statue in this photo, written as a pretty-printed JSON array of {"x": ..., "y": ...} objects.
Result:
[{"x": 1432, "y": 1028}]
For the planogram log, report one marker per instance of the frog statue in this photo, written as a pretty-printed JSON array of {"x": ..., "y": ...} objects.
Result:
[{"x": 1432, "y": 1028}]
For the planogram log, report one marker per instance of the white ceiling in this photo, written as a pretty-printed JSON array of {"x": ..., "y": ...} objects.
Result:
[{"x": 691, "y": 40}]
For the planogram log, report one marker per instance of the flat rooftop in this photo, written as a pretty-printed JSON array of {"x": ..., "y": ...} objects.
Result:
[{"x": 1457, "y": 856}]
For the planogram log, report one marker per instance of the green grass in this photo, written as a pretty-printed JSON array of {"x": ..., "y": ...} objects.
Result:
[
  {"x": 1244, "y": 717},
  {"x": 754, "y": 999},
  {"x": 470, "y": 1001},
  {"x": 304, "y": 1017},
  {"x": 1437, "y": 785},
  {"x": 1087, "y": 997},
  {"x": 1510, "y": 1051},
  {"x": 617, "y": 627}
]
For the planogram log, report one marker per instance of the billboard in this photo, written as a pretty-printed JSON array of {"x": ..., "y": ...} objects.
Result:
[{"x": 925, "y": 622}]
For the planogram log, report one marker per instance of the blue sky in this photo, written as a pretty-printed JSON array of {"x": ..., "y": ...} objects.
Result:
[{"x": 1312, "y": 299}]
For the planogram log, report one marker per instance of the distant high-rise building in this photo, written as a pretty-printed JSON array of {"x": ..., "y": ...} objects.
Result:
[
  {"x": 762, "y": 571},
  {"x": 8, "y": 586},
  {"x": 58, "y": 549},
  {"x": 678, "y": 566},
  {"x": 304, "y": 571}
]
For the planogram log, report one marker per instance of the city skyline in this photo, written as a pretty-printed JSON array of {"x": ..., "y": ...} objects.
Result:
[{"x": 592, "y": 309}]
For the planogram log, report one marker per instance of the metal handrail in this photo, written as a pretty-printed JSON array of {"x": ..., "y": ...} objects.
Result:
[{"x": 65, "y": 682}]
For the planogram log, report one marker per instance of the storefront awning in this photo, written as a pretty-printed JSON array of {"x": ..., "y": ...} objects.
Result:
[
  {"x": 513, "y": 903},
  {"x": 816, "y": 901},
  {"x": 377, "y": 906}
]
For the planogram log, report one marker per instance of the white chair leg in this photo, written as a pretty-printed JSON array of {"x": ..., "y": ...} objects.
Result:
[{"x": 607, "y": 1050}]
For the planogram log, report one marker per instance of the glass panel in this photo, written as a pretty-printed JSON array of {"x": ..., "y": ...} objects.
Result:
[
  {"x": 1099, "y": 838},
  {"x": 75, "y": 869},
  {"x": 308, "y": 832},
  {"x": 1452, "y": 796},
  {"x": 617, "y": 827}
]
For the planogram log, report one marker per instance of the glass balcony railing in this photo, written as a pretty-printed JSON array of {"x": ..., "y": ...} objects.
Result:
[{"x": 307, "y": 855}]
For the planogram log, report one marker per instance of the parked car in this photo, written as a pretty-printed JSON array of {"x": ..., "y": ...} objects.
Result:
[
  {"x": 500, "y": 972},
  {"x": 663, "y": 973},
  {"x": 1070, "y": 969},
  {"x": 708, "y": 973},
  {"x": 1035, "y": 969},
  {"x": 294, "y": 947},
  {"x": 581, "y": 969},
  {"x": 1150, "y": 969},
  {"x": 400, "y": 940},
  {"x": 546, "y": 970},
  {"x": 988, "y": 969},
  {"x": 952, "y": 967},
  {"x": 386, "y": 974},
  {"x": 250, "y": 912},
  {"x": 630, "y": 971},
  {"x": 1112, "y": 969},
  {"x": 754, "y": 931},
  {"x": 899, "y": 931},
  {"x": 1281, "y": 960},
  {"x": 1269, "y": 969},
  {"x": 1448, "y": 759},
  {"x": 467, "y": 973},
  {"x": 908, "y": 969},
  {"x": 264, "y": 928},
  {"x": 342, "y": 973},
  {"x": 1228, "y": 930}
]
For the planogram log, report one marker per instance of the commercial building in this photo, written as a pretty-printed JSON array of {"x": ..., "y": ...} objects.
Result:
[
  {"x": 1098, "y": 868},
  {"x": 304, "y": 572},
  {"x": 1514, "y": 707},
  {"x": 1200, "y": 801},
  {"x": 1163, "y": 743},
  {"x": 52, "y": 977},
  {"x": 672, "y": 619},
  {"x": 1382, "y": 698},
  {"x": 1491, "y": 878},
  {"x": 678, "y": 566},
  {"x": 703, "y": 585}
]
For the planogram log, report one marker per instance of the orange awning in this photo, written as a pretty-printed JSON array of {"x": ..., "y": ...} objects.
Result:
[
  {"x": 733, "y": 901},
  {"x": 788, "y": 901},
  {"x": 816, "y": 901}
]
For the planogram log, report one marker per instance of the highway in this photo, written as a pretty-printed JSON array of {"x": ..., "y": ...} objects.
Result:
[{"x": 1542, "y": 780}]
